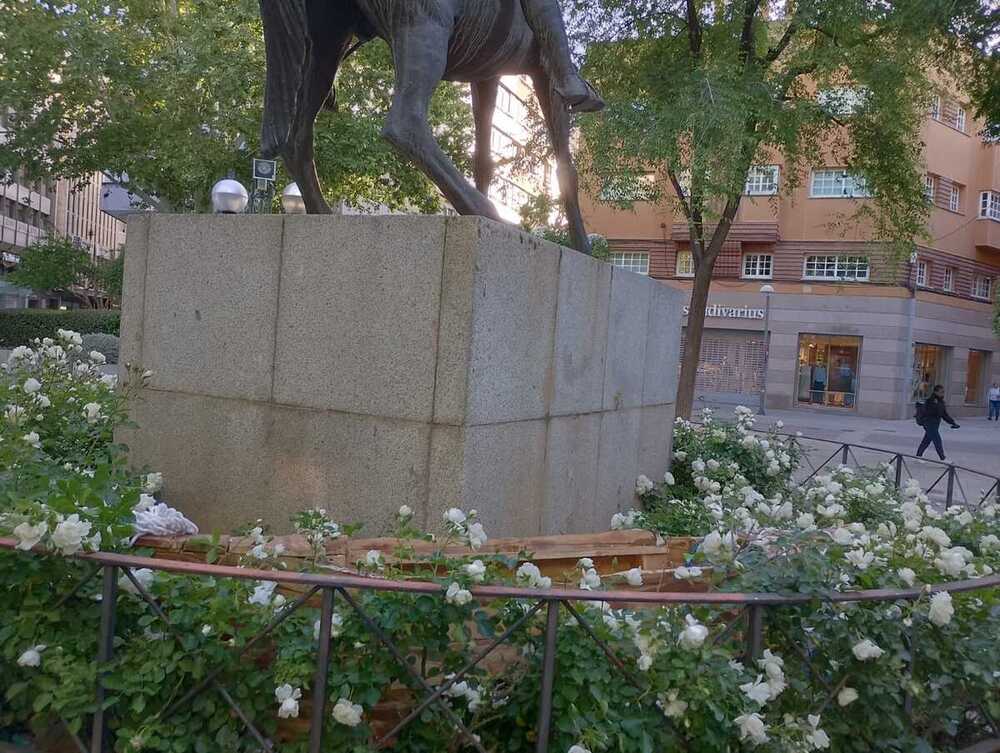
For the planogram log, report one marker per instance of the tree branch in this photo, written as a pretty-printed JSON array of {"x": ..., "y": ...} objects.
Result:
[
  {"x": 747, "y": 55},
  {"x": 775, "y": 52},
  {"x": 694, "y": 28}
]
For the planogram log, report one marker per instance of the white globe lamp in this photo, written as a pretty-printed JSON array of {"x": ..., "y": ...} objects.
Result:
[
  {"x": 229, "y": 197},
  {"x": 292, "y": 201}
]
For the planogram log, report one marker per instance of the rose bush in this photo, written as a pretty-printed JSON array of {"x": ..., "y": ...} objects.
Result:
[{"x": 907, "y": 675}]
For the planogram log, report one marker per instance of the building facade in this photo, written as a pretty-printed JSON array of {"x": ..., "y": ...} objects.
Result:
[{"x": 850, "y": 330}]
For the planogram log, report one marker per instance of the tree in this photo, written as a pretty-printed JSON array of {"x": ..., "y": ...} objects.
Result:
[
  {"x": 55, "y": 265},
  {"x": 170, "y": 94},
  {"x": 700, "y": 91}
]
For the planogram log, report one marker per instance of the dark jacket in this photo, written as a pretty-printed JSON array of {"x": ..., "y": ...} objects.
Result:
[{"x": 935, "y": 411}]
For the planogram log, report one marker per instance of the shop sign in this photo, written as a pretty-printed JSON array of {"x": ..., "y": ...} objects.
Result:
[{"x": 715, "y": 311}]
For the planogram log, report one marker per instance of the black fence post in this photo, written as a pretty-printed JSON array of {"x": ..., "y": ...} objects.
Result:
[
  {"x": 755, "y": 632},
  {"x": 845, "y": 454},
  {"x": 899, "y": 470},
  {"x": 548, "y": 678},
  {"x": 322, "y": 669},
  {"x": 105, "y": 652},
  {"x": 951, "y": 485}
]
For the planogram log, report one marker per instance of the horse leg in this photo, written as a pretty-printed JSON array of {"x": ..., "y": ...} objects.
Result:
[
  {"x": 558, "y": 122},
  {"x": 322, "y": 61},
  {"x": 420, "y": 52},
  {"x": 484, "y": 102}
]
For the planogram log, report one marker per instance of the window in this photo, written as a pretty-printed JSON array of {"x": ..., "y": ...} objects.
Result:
[
  {"x": 922, "y": 274},
  {"x": 955, "y": 198},
  {"x": 632, "y": 261},
  {"x": 828, "y": 370},
  {"x": 948, "y": 285},
  {"x": 757, "y": 266},
  {"x": 936, "y": 107},
  {"x": 685, "y": 264},
  {"x": 989, "y": 205},
  {"x": 975, "y": 377},
  {"x": 930, "y": 188},
  {"x": 762, "y": 180},
  {"x": 930, "y": 367},
  {"x": 837, "y": 184},
  {"x": 849, "y": 268},
  {"x": 960, "y": 119},
  {"x": 982, "y": 286}
]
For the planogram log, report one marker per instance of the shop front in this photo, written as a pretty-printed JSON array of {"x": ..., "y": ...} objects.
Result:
[{"x": 866, "y": 355}]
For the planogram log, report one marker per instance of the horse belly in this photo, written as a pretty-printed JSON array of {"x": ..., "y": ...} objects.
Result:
[{"x": 490, "y": 38}]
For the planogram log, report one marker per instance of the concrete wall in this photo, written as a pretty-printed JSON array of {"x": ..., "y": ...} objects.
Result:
[{"x": 362, "y": 363}]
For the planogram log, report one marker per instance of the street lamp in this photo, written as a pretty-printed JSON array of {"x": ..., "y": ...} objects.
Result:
[
  {"x": 767, "y": 290},
  {"x": 229, "y": 197},
  {"x": 291, "y": 200}
]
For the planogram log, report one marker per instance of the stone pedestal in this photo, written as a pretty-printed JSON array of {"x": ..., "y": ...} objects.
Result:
[{"x": 363, "y": 363}]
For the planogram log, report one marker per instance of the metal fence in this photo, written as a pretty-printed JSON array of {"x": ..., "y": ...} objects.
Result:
[
  {"x": 741, "y": 616},
  {"x": 943, "y": 482}
]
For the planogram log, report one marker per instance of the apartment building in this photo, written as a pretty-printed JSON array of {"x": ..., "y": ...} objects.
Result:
[{"x": 850, "y": 330}]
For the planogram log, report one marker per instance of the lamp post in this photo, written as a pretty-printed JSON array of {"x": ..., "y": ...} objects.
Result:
[
  {"x": 291, "y": 200},
  {"x": 767, "y": 290}
]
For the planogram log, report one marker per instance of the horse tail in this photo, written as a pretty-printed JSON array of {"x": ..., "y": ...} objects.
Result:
[{"x": 285, "y": 44}]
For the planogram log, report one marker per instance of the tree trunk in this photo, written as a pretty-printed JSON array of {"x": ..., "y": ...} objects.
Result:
[{"x": 694, "y": 331}]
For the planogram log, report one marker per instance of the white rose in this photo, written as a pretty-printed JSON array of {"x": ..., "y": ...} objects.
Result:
[
  {"x": 671, "y": 707},
  {"x": 32, "y": 657},
  {"x": 951, "y": 562},
  {"x": 144, "y": 575},
  {"x": 477, "y": 535},
  {"x": 806, "y": 521},
  {"x": 454, "y": 516},
  {"x": 585, "y": 563},
  {"x": 860, "y": 558},
  {"x": 42, "y": 401},
  {"x": 32, "y": 385},
  {"x": 939, "y": 537},
  {"x": 590, "y": 580},
  {"x": 865, "y": 650},
  {"x": 752, "y": 728},
  {"x": 92, "y": 412},
  {"x": 347, "y": 713},
  {"x": 634, "y": 576},
  {"x": 32, "y": 439},
  {"x": 97, "y": 357},
  {"x": 680, "y": 455},
  {"x": 685, "y": 573},
  {"x": 698, "y": 466},
  {"x": 405, "y": 512},
  {"x": 757, "y": 691},
  {"x": 532, "y": 576},
  {"x": 668, "y": 479},
  {"x": 288, "y": 700},
  {"x": 988, "y": 543},
  {"x": 842, "y": 536},
  {"x": 578, "y": 749},
  {"x": 29, "y": 535},
  {"x": 69, "y": 534},
  {"x": 847, "y": 696},
  {"x": 941, "y": 609},
  {"x": 263, "y": 593},
  {"x": 145, "y": 503},
  {"x": 373, "y": 558},
  {"x": 907, "y": 576},
  {"x": 152, "y": 483},
  {"x": 457, "y": 595},
  {"x": 476, "y": 571},
  {"x": 336, "y": 626},
  {"x": 694, "y": 635},
  {"x": 643, "y": 485}
]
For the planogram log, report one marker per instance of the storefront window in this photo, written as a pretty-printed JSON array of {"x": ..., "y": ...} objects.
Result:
[
  {"x": 828, "y": 370},
  {"x": 930, "y": 363},
  {"x": 975, "y": 377}
]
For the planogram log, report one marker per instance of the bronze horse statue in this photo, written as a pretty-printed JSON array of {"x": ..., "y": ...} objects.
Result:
[{"x": 474, "y": 41}]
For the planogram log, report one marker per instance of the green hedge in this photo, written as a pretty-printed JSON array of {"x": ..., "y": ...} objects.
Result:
[{"x": 21, "y": 326}]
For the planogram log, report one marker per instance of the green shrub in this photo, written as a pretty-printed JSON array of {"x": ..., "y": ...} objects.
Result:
[
  {"x": 21, "y": 326},
  {"x": 106, "y": 345}
]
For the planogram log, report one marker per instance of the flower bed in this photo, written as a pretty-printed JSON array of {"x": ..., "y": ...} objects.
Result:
[{"x": 920, "y": 673}]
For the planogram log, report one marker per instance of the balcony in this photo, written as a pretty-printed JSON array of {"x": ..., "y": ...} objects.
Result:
[{"x": 987, "y": 231}]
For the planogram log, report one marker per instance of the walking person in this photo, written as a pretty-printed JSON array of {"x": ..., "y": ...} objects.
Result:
[
  {"x": 934, "y": 411},
  {"x": 994, "y": 402}
]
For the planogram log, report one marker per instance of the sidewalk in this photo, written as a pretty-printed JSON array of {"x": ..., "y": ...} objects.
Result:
[{"x": 976, "y": 445}]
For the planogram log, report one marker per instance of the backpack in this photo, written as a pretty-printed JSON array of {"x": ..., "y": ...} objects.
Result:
[{"x": 920, "y": 414}]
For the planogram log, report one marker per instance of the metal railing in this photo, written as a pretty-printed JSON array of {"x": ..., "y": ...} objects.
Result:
[
  {"x": 942, "y": 481},
  {"x": 751, "y": 617}
]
